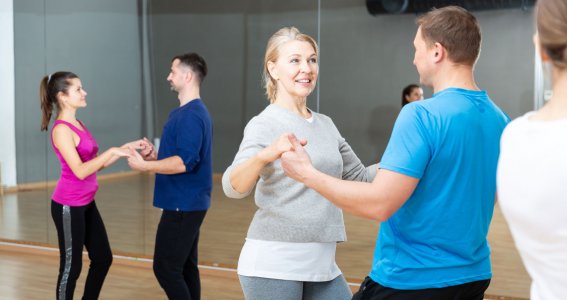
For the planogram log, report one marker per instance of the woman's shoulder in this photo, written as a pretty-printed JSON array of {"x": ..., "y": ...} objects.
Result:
[
  {"x": 520, "y": 121},
  {"x": 268, "y": 117},
  {"x": 322, "y": 118},
  {"x": 261, "y": 125},
  {"x": 61, "y": 127},
  {"x": 520, "y": 128},
  {"x": 320, "y": 115},
  {"x": 65, "y": 125}
]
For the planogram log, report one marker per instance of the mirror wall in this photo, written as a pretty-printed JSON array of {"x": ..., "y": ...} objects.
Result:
[{"x": 122, "y": 52}]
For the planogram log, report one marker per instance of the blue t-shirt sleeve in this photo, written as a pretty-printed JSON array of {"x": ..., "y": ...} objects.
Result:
[
  {"x": 189, "y": 139},
  {"x": 409, "y": 151}
]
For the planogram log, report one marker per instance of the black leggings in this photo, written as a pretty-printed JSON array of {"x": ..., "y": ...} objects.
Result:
[{"x": 78, "y": 226}]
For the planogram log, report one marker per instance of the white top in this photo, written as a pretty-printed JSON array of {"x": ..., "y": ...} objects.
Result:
[
  {"x": 532, "y": 192},
  {"x": 288, "y": 261}
]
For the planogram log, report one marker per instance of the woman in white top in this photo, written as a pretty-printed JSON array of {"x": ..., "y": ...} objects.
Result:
[
  {"x": 290, "y": 247},
  {"x": 532, "y": 170}
]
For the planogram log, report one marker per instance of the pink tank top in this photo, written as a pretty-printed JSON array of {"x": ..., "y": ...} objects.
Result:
[{"x": 71, "y": 190}]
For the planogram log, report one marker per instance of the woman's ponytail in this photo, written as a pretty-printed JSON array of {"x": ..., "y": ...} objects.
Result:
[{"x": 49, "y": 87}]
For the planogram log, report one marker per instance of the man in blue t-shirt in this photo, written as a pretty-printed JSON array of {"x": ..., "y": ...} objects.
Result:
[
  {"x": 435, "y": 190},
  {"x": 183, "y": 181}
]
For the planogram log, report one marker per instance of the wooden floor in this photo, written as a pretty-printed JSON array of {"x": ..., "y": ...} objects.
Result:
[
  {"x": 131, "y": 221},
  {"x": 28, "y": 273}
]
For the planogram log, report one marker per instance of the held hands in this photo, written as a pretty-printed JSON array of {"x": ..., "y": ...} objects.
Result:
[
  {"x": 115, "y": 154},
  {"x": 278, "y": 147},
  {"x": 296, "y": 163},
  {"x": 149, "y": 150},
  {"x": 120, "y": 152},
  {"x": 137, "y": 144},
  {"x": 136, "y": 161}
]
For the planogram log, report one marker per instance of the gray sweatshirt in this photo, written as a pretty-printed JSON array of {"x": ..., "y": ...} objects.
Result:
[{"x": 288, "y": 211}]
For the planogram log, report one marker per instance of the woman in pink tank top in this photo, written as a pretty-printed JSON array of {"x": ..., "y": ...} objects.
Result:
[{"x": 73, "y": 209}]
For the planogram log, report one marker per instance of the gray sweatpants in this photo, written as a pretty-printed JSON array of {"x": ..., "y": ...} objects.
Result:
[{"x": 259, "y": 288}]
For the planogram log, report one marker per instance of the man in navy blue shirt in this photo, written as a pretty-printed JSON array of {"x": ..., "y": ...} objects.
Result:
[{"x": 183, "y": 181}]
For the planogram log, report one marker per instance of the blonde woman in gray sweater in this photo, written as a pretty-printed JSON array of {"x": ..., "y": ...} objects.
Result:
[{"x": 289, "y": 253}]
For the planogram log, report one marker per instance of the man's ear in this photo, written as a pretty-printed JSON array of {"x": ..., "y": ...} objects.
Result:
[
  {"x": 189, "y": 75},
  {"x": 439, "y": 52},
  {"x": 272, "y": 70}
]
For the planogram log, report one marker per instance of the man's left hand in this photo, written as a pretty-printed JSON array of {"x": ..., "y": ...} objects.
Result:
[{"x": 136, "y": 161}]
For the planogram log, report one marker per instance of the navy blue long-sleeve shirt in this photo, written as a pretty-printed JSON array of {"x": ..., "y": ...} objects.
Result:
[{"x": 188, "y": 133}]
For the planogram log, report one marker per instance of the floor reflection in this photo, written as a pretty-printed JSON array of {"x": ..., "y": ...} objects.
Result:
[{"x": 125, "y": 204}]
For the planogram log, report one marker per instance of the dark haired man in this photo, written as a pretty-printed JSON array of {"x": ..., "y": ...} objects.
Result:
[{"x": 183, "y": 180}]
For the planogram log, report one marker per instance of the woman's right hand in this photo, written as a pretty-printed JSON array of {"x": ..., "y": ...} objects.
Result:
[
  {"x": 275, "y": 150},
  {"x": 120, "y": 152},
  {"x": 243, "y": 176}
]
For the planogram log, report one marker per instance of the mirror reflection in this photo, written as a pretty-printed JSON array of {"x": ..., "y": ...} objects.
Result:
[{"x": 123, "y": 53}]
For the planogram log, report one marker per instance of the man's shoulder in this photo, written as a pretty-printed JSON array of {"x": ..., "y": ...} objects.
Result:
[
  {"x": 419, "y": 109},
  {"x": 452, "y": 94},
  {"x": 196, "y": 112}
]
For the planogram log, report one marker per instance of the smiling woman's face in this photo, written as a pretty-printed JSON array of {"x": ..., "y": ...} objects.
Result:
[{"x": 296, "y": 69}]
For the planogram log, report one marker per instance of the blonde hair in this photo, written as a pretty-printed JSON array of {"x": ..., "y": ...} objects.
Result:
[
  {"x": 551, "y": 19},
  {"x": 279, "y": 38}
]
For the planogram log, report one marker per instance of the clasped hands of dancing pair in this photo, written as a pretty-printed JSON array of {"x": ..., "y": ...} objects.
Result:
[{"x": 294, "y": 157}]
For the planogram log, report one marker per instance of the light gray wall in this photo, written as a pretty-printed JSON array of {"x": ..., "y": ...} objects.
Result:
[
  {"x": 365, "y": 63},
  {"x": 232, "y": 39},
  {"x": 220, "y": 41},
  {"x": 506, "y": 65},
  {"x": 100, "y": 42}
]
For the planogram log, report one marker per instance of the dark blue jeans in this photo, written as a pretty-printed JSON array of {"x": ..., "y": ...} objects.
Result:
[
  {"x": 371, "y": 290},
  {"x": 175, "y": 255}
]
